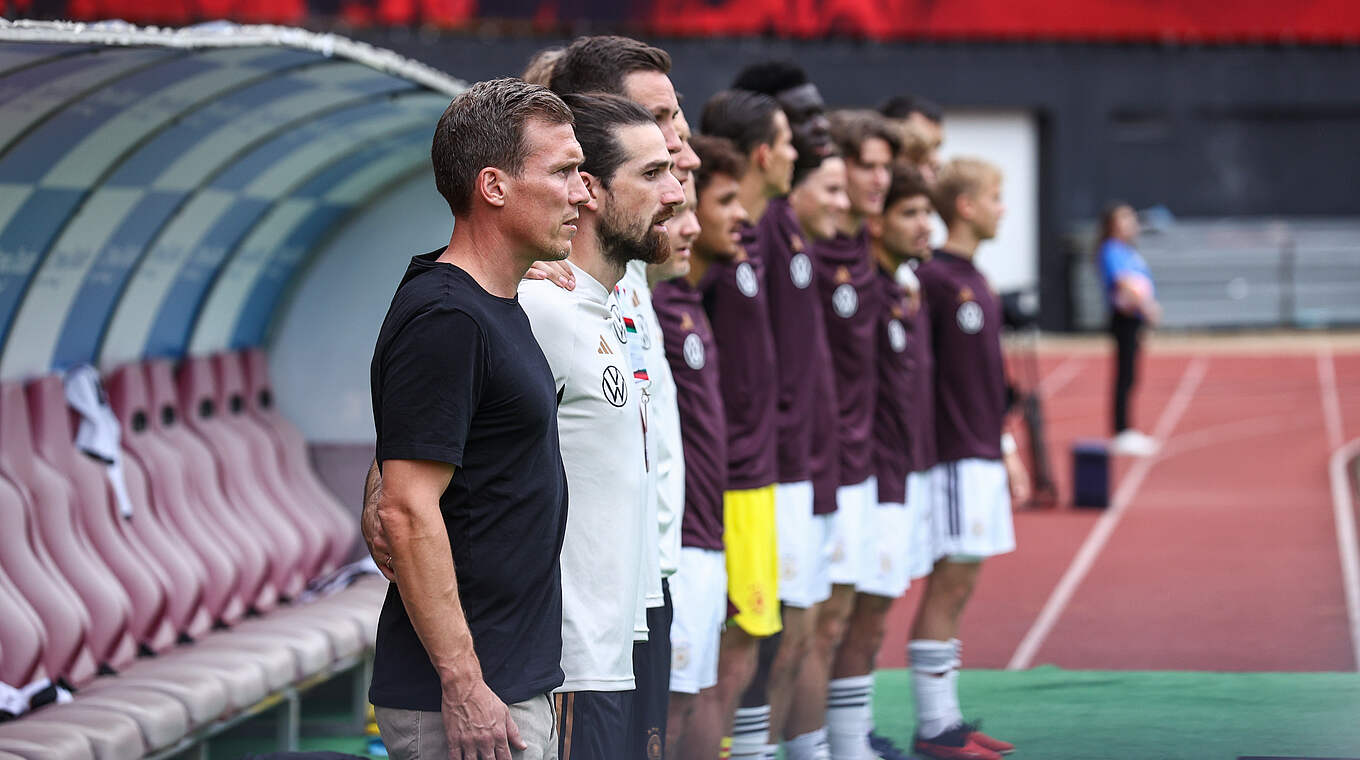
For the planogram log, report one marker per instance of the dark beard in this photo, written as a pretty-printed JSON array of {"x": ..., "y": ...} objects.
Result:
[{"x": 620, "y": 247}]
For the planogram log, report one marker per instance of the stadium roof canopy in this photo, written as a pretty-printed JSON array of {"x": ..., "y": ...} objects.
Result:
[{"x": 161, "y": 189}]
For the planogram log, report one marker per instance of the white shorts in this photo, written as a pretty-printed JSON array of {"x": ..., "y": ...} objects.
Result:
[
  {"x": 971, "y": 503},
  {"x": 851, "y": 541},
  {"x": 804, "y": 563},
  {"x": 884, "y": 569},
  {"x": 921, "y": 549},
  {"x": 699, "y": 598}
]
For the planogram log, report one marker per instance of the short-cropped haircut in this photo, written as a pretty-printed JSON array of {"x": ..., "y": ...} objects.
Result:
[
  {"x": 744, "y": 117},
  {"x": 486, "y": 126},
  {"x": 599, "y": 117},
  {"x": 960, "y": 176},
  {"x": 851, "y": 129},
  {"x": 902, "y": 106},
  {"x": 771, "y": 77},
  {"x": 717, "y": 155},
  {"x": 600, "y": 64},
  {"x": 906, "y": 182}
]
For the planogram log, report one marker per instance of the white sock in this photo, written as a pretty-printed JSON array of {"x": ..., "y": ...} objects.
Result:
[
  {"x": 953, "y": 679},
  {"x": 848, "y": 719},
  {"x": 934, "y": 682},
  {"x": 751, "y": 732},
  {"x": 809, "y": 746}
]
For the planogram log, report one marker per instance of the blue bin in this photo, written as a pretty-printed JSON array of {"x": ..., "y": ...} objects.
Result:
[{"x": 1090, "y": 474}]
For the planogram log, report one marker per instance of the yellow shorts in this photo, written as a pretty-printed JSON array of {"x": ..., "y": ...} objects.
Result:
[{"x": 752, "y": 559}]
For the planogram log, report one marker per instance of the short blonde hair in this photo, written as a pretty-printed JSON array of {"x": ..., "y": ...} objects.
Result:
[
  {"x": 915, "y": 143},
  {"x": 961, "y": 176}
]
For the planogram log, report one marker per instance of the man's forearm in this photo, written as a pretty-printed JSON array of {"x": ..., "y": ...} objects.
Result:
[
  {"x": 428, "y": 583},
  {"x": 372, "y": 485}
]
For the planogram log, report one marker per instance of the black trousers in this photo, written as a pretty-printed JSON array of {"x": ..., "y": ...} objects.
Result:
[
  {"x": 1127, "y": 332},
  {"x": 652, "y": 673},
  {"x": 623, "y": 725},
  {"x": 593, "y": 725}
]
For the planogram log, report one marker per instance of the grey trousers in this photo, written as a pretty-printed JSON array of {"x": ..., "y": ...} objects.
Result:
[{"x": 417, "y": 735}]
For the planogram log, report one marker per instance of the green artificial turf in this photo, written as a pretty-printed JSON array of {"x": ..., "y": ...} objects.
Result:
[{"x": 1055, "y": 714}]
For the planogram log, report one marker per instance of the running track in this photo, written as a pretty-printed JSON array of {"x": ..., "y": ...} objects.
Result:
[{"x": 1221, "y": 553}]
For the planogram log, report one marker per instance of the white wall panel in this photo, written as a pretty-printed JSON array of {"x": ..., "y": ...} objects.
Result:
[
  {"x": 321, "y": 346},
  {"x": 1009, "y": 139}
]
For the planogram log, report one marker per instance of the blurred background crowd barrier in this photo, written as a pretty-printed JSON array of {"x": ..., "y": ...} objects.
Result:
[{"x": 1236, "y": 273}]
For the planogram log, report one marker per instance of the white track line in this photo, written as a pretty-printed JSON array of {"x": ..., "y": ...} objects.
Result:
[
  {"x": 1344, "y": 510},
  {"x": 1231, "y": 431},
  {"x": 1060, "y": 376},
  {"x": 1104, "y": 527},
  {"x": 1343, "y": 506},
  {"x": 1331, "y": 402}
]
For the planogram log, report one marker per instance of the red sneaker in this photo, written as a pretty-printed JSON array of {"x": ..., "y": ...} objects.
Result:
[
  {"x": 957, "y": 743},
  {"x": 995, "y": 745}
]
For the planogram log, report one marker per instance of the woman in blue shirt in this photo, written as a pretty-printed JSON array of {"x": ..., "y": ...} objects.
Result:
[{"x": 1131, "y": 296}]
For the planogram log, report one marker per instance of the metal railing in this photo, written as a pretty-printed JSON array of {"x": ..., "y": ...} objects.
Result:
[{"x": 1237, "y": 273}]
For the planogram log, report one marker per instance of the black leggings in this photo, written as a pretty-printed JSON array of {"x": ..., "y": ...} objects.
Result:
[{"x": 1126, "y": 331}]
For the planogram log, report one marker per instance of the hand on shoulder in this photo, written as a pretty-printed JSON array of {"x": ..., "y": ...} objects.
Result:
[{"x": 557, "y": 272}]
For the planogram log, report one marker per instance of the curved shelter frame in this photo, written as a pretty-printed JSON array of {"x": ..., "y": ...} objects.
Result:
[{"x": 160, "y": 191}]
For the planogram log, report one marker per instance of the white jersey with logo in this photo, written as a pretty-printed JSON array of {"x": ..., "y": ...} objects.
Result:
[
  {"x": 663, "y": 418},
  {"x": 598, "y": 422},
  {"x": 649, "y": 564}
]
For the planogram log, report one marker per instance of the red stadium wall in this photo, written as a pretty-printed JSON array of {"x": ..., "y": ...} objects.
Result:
[
  {"x": 1108, "y": 20},
  {"x": 1212, "y": 21}
]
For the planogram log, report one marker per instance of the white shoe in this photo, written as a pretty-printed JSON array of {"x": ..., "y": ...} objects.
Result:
[{"x": 1134, "y": 444}]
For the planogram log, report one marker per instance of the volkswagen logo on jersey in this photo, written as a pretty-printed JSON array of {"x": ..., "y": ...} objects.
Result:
[
  {"x": 694, "y": 351},
  {"x": 897, "y": 336},
  {"x": 615, "y": 388},
  {"x": 746, "y": 280},
  {"x": 969, "y": 317},
  {"x": 845, "y": 300},
  {"x": 800, "y": 270},
  {"x": 616, "y": 316}
]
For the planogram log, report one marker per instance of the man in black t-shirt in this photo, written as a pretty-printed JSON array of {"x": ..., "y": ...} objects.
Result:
[{"x": 473, "y": 497}]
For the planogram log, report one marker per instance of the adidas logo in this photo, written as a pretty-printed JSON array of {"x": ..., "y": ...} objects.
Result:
[{"x": 604, "y": 347}]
